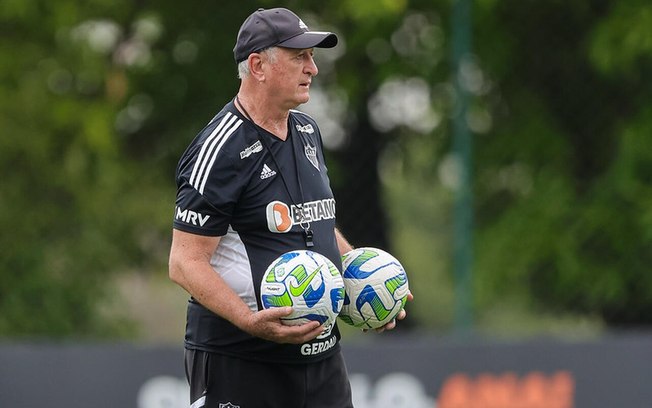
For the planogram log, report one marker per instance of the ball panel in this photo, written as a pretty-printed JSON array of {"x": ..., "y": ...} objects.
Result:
[
  {"x": 303, "y": 284},
  {"x": 355, "y": 259},
  {"x": 275, "y": 295},
  {"x": 337, "y": 298}
]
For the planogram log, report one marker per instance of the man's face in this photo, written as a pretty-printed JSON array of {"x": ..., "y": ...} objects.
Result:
[{"x": 290, "y": 76}]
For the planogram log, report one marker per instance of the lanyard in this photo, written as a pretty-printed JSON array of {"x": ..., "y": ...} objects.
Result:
[{"x": 305, "y": 225}]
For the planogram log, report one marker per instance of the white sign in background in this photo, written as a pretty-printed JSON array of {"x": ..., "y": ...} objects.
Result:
[{"x": 394, "y": 390}]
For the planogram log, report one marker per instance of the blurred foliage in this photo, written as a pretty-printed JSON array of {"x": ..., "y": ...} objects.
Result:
[
  {"x": 99, "y": 98},
  {"x": 562, "y": 191}
]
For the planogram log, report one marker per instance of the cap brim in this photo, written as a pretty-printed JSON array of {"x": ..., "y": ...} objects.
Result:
[{"x": 311, "y": 39}]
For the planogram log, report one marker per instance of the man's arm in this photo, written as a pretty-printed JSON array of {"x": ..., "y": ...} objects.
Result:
[
  {"x": 189, "y": 267},
  {"x": 342, "y": 244}
]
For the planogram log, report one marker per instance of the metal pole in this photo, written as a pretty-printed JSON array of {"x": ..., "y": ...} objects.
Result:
[{"x": 462, "y": 148}]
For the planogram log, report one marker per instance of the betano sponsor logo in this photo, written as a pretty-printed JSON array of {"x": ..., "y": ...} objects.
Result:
[
  {"x": 191, "y": 217},
  {"x": 281, "y": 217}
]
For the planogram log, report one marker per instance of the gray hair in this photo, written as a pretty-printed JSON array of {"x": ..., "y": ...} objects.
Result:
[{"x": 243, "y": 66}]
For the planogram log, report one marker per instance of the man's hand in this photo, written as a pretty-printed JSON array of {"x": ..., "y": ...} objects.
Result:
[
  {"x": 267, "y": 324},
  {"x": 401, "y": 315}
]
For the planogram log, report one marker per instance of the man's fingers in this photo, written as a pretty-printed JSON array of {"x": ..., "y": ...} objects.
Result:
[
  {"x": 274, "y": 313},
  {"x": 269, "y": 326}
]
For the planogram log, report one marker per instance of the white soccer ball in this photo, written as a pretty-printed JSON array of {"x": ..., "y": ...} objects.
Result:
[
  {"x": 308, "y": 282},
  {"x": 376, "y": 287}
]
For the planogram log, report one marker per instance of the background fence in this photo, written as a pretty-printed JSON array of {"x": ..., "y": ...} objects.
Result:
[{"x": 398, "y": 372}]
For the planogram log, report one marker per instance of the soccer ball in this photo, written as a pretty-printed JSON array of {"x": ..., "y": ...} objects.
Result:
[
  {"x": 307, "y": 281},
  {"x": 376, "y": 287}
]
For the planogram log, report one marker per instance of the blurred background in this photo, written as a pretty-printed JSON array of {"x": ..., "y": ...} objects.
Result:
[{"x": 502, "y": 150}]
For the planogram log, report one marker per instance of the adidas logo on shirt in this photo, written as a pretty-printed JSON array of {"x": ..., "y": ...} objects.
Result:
[{"x": 267, "y": 172}]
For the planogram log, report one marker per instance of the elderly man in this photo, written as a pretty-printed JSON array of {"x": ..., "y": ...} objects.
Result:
[{"x": 238, "y": 182}]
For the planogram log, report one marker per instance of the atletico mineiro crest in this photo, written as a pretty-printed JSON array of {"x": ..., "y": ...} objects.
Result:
[
  {"x": 229, "y": 405},
  {"x": 311, "y": 154}
]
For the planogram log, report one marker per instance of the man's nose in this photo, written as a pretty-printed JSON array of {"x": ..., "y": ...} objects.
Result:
[{"x": 311, "y": 66}]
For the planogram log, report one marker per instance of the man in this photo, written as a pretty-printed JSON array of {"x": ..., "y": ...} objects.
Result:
[{"x": 241, "y": 185}]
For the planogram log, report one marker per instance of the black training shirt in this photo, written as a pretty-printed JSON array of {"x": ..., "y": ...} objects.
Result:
[{"x": 240, "y": 182}]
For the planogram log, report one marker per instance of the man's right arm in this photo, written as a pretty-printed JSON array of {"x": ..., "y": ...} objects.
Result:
[{"x": 189, "y": 267}]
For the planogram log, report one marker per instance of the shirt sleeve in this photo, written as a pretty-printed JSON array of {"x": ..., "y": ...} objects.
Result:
[
  {"x": 195, "y": 214},
  {"x": 209, "y": 183}
]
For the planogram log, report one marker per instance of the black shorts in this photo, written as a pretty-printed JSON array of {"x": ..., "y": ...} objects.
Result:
[{"x": 221, "y": 381}]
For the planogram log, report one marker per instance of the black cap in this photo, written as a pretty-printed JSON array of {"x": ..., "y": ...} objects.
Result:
[{"x": 277, "y": 27}]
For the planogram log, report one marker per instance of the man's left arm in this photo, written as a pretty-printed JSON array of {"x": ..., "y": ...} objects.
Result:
[{"x": 342, "y": 244}]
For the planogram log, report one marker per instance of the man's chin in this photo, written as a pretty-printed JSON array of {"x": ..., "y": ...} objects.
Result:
[{"x": 303, "y": 99}]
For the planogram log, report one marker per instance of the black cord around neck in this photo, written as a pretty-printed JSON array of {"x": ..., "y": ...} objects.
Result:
[{"x": 305, "y": 225}]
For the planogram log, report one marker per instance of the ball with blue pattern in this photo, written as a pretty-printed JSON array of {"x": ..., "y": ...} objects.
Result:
[
  {"x": 308, "y": 282},
  {"x": 376, "y": 288}
]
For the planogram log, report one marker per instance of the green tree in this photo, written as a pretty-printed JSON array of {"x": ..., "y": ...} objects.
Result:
[
  {"x": 563, "y": 178},
  {"x": 74, "y": 205},
  {"x": 98, "y": 100}
]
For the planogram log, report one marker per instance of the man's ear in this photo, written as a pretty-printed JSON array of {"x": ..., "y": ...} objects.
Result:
[{"x": 256, "y": 63}]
